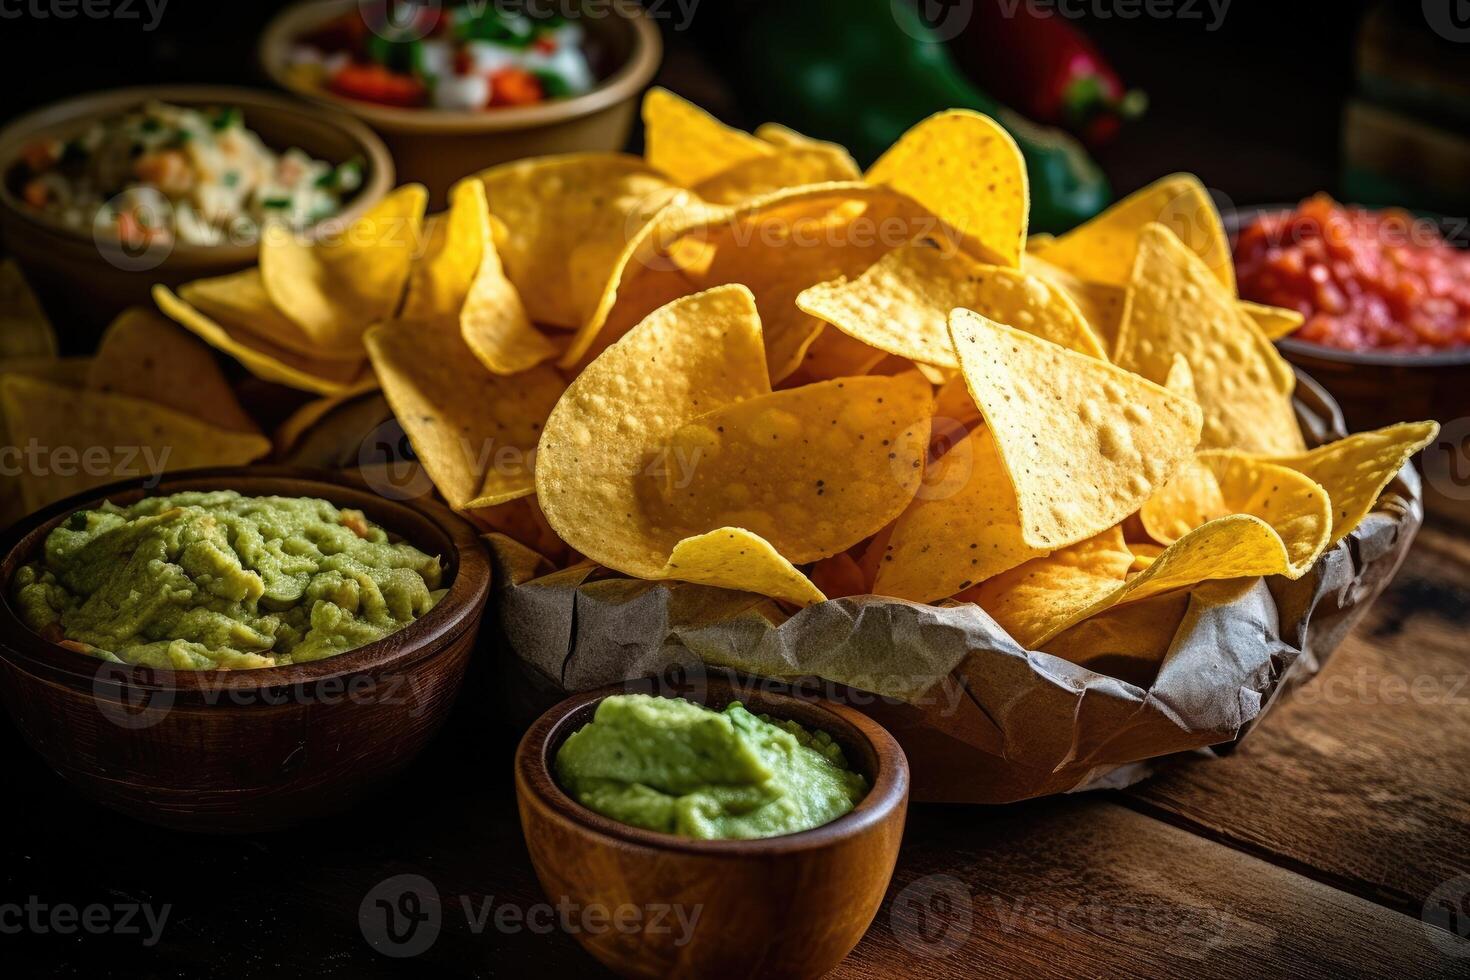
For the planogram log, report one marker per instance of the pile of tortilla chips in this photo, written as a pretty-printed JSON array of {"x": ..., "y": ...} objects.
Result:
[{"x": 739, "y": 361}]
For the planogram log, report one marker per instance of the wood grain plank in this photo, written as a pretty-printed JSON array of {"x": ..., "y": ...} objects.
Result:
[
  {"x": 1362, "y": 777},
  {"x": 1083, "y": 887}
]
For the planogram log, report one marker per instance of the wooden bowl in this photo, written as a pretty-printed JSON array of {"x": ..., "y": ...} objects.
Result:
[
  {"x": 241, "y": 751},
  {"x": 437, "y": 147},
  {"x": 790, "y": 906},
  {"x": 57, "y": 258}
]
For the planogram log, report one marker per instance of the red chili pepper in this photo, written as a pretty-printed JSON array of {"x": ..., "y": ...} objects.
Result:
[
  {"x": 514, "y": 86},
  {"x": 1039, "y": 64},
  {"x": 374, "y": 83}
]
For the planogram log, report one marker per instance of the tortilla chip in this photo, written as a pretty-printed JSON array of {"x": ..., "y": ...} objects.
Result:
[
  {"x": 337, "y": 287},
  {"x": 239, "y": 301},
  {"x": 1100, "y": 304},
  {"x": 787, "y": 138},
  {"x": 1355, "y": 470},
  {"x": 143, "y": 355},
  {"x": 760, "y": 176},
  {"x": 24, "y": 329},
  {"x": 91, "y": 438},
  {"x": 521, "y": 520},
  {"x": 838, "y": 576},
  {"x": 692, "y": 357},
  {"x": 779, "y": 246},
  {"x": 266, "y": 359},
  {"x": 1180, "y": 379},
  {"x": 812, "y": 470},
  {"x": 835, "y": 355},
  {"x": 1144, "y": 554},
  {"x": 454, "y": 241},
  {"x": 566, "y": 220},
  {"x": 1274, "y": 322},
  {"x": 475, "y": 432},
  {"x": 967, "y": 170},
  {"x": 1237, "y": 546},
  {"x": 1085, "y": 443},
  {"x": 492, "y": 319},
  {"x": 1024, "y": 600},
  {"x": 689, "y": 144},
  {"x": 1174, "y": 307},
  {"x": 1103, "y": 249},
  {"x": 962, "y": 528},
  {"x": 72, "y": 371},
  {"x": 1218, "y": 484},
  {"x": 1038, "y": 240},
  {"x": 901, "y": 304},
  {"x": 733, "y": 558}
]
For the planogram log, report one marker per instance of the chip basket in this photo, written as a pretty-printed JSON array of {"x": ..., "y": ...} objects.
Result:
[{"x": 982, "y": 719}]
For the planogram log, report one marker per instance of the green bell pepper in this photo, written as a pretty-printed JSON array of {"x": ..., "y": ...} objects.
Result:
[{"x": 861, "y": 72}]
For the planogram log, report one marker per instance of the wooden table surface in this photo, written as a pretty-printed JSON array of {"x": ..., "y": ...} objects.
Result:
[{"x": 1311, "y": 851}]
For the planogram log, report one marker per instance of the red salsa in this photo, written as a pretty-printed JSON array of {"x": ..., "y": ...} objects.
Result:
[{"x": 1364, "y": 280}]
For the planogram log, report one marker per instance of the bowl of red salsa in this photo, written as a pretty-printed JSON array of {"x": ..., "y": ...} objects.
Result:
[
  {"x": 1386, "y": 299},
  {"x": 458, "y": 86}
]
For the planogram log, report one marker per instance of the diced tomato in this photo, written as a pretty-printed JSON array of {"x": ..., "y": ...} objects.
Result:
[
  {"x": 546, "y": 45},
  {"x": 464, "y": 63},
  {"x": 514, "y": 86},
  {"x": 40, "y": 155},
  {"x": 374, "y": 83},
  {"x": 1364, "y": 279},
  {"x": 36, "y": 194}
]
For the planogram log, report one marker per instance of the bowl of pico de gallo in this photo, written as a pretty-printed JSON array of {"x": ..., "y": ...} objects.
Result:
[
  {"x": 104, "y": 195},
  {"x": 457, "y": 86},
  {"x": 1385, "y": 299}
]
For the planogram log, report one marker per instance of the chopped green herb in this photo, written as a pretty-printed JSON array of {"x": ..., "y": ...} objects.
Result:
[
  {"x": 226, "y": 118},
  {"x": 276, "y": 202},
  {"x": 231, "y": 178},
  {"x": 553, "y": 85}
]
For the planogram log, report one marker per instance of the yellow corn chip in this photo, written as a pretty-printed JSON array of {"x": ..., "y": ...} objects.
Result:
[
  {"x": 492, "y": 319},
  {"x": 239, "y": 303},
  {"x": 836, "y": 355},
  {"x": 1024, "y": 600},
  {"x": 1101, "y": 304},
  {"x": 694, "y": 356},
  {"x": 566, "y": 220},
  {"x": 901, "y": 304},
  {"x": 1174, "y": 307},
  {"x": 1355, "y": 470},
  {"x": 145, "y": 356},
  {"x": 763, "y": 175},
  {"x": 1144, "y": 553},
  {"x": 1180, "y": 379},
  {"x": 24, "y": 329},
  {"x": 474, "y": 432},
  {"x": 812, "y": 470},
  {"x": 787, "y": 138},
  {"x": 964, "y": 168},
  {"x": 1274, "y": 321},
  {"x": 1237, "y": 546},
  {"x": 1103, "y": 249},
  {"x": 453, "y": 245},
  {"x": 337, "y": 287},
  {"x": 733, "y": 558},
  {"x": 87, "y": 439},
  {"x": 1218, "y": 484},
  {"x": 1085, "y": 443},
  {"x": 962, "y": 527},
  {"x": 266, "y": 359},
  {"x": 689, "y": 144}
]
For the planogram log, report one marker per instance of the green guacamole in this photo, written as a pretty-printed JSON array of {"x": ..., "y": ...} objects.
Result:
[
  {"x": 202, "y": 581},
  {"x": 668, "y": 765}
]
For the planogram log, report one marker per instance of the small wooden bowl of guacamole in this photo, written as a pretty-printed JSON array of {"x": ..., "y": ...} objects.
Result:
[
  {"x": 720, "y": 889},
  {"x": 238, "y": 649}
]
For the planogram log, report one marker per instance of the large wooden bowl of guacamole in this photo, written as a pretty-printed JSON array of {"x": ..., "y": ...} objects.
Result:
[{"x": 158, "y": 729}]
